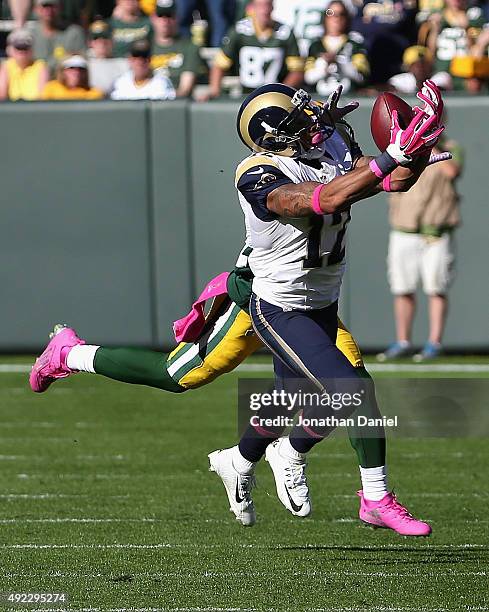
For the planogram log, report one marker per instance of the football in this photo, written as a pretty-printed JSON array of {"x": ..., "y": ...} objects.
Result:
[{"x": 380, "y": 119}]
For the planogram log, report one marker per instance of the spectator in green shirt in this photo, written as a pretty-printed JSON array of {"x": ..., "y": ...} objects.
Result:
[
  {"x": 177, "y": 57},
  {"x": 339, "y": 57},
  {"x": 128, "y": 25},
  {"x": 52, "y": 39},
  {"x": 259, "y": 50}
]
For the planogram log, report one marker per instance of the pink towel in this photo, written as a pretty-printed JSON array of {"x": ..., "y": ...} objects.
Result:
[{"x": 189, "y": 328}]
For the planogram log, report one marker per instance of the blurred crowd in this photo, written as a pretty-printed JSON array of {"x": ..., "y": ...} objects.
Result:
[{"x": 166, "y": 49}]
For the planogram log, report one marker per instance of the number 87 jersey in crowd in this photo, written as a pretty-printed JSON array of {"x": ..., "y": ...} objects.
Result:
[{"x": 298, "y": 263}]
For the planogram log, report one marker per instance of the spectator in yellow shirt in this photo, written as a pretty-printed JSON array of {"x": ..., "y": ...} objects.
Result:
[
  {"x": 22, "y": 77},
  {"x": 72, "y": 82}
]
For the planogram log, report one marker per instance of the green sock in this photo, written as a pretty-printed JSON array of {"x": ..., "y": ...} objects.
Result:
[
  {"x": 136, "y": 366},
  {"x": 368, "y": 442}
]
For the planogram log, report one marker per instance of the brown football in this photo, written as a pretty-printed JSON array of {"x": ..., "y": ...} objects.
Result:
[{"x": 380, "y": 120}]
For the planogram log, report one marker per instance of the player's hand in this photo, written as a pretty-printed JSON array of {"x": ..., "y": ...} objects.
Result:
[
  {"x": 332, "y": 108},
  {"x": 419, "y": 136},
  {"x": 431, "y": 100}
]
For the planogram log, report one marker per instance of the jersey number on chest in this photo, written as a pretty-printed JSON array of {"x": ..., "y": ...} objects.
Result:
[{"x": 323, "y": 240}]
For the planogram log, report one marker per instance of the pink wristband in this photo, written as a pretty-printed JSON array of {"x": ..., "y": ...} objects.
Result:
[
  {"x": 315, "y": 200},
  {"x": 386, "y": 183},
  {"x": 375, "y": 169}
]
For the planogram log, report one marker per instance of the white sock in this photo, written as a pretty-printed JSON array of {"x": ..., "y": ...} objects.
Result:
[
  {"x": 81, "y": 358},
  {"x": 374, "y": 482},
  {"x": 288, "y": 451},
  {"x": 242, "y": 465}
]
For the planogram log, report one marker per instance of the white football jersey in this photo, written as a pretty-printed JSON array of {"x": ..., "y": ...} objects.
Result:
[{"x": 298, "y": 263}]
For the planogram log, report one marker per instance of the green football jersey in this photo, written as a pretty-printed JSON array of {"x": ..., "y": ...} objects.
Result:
[
  {"x": 259, "y": 58},
  {"x": 179, "y": 56},
  {"x": 349, "y": 69},
  {"x": 454, "y": 40},
  {"x": 124, "y": 34}
]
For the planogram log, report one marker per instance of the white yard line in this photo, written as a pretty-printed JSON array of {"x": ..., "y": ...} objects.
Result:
[
  {"x": 215, "y": 609},
  {"x": 224, "y": 574},
  {"x": 79, "y": 520},
  {"x": 56, "y": 496},
  {"x": 61, "y": 476},
  {"x": 164, "y": 545}
]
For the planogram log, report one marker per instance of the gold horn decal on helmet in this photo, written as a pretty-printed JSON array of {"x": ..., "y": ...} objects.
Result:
[{"x": 260, "y": 102}]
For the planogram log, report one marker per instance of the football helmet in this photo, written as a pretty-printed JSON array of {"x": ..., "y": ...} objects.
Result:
[{"x": 279, "y": 119}]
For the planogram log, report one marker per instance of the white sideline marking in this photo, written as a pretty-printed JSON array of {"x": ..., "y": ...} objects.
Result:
[
  {"x": 13, "y": 368},
  {"x": 389, "y": 367},
  {"x": 428, "y": 367}
]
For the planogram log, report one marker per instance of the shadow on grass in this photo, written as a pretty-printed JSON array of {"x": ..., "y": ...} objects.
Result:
[{"x": 428, "y": 554}]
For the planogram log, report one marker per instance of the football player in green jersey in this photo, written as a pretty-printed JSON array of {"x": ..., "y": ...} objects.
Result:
[
  {"x": 259, "y": 50},
  {"x": 338, "y": 58}
]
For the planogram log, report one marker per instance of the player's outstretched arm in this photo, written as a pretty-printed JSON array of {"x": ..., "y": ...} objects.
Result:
[
  {"x": 294, "y": 200},
  {"x": 400, "y": 179},
  {"x": 407, "y": 147}
]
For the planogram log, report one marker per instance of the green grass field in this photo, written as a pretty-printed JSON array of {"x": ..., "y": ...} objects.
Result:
[{"x": 105, "y": 495}]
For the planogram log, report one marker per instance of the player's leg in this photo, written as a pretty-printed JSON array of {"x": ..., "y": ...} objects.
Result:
[
  {"x": 368, "y": 442},
  {"x": 195, "y": 365},
  {"x": 67, "y": 354},
  {"x": 230, "y": 464},
  {"x": 285, "y": 333},
  {"x": 305, "y": 343},
  {"x": 226, "y": 342}
]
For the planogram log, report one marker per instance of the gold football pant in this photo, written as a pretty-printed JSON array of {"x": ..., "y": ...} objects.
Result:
[{"x": 229, "y": 341}]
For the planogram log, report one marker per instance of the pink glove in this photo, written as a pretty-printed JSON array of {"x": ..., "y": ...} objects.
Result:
[
  {"x": 430, "y": 96},
  {"x": 419, "y": 136}
]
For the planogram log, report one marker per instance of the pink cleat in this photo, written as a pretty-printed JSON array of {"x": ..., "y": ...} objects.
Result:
[
  {"x": 390, "y": 514},
  {"x": 51, "y": 365}
]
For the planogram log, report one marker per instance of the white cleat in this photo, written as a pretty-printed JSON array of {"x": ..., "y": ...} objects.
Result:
[
  {"x": 290, "y": 479},
  {"x": 238, "y": 486}
]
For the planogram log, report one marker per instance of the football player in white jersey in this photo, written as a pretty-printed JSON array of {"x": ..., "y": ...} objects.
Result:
[{"x": 296, "y": 191}]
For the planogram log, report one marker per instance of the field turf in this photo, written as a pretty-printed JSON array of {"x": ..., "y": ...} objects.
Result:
[{"x": 105, "y": 495}]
